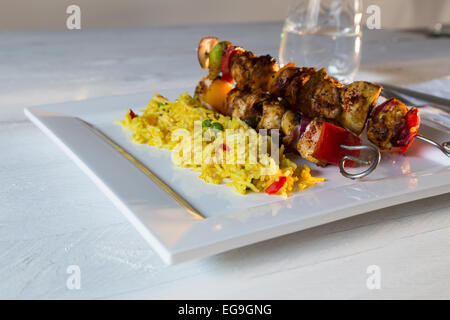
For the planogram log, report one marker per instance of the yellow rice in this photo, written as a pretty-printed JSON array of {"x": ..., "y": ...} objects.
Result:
[{"x": 168, "y": 125}]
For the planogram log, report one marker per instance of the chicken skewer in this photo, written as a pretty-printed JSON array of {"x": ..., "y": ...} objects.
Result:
[
  {"x": 390, "y": 127},
  {"x": 251, "y": 102},
  {"x": 310, "y": 91},
  {"x": 315, "y": 94},
  {"x": 321, "y": 95}
]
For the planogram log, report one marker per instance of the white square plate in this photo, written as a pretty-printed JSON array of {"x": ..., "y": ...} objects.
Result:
[{"x": 232, "y": 220}]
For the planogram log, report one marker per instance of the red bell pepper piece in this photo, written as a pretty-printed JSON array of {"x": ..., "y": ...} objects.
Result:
[
  {"x": 132, "y": 114},
  {"x": 328, "y": 148},
  {"x": 276, "y": 185},
  {"x": 404, "y": 137},
  {"x": 224, "y": 147},
  {"x": 225, "y": 62}
]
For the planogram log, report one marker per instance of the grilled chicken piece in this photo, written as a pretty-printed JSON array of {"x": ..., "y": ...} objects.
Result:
[
  {"x": 381, "y": 127},
  {"x": 272, "y": 113},
  {"x": 320, "y": 96},
  {"x": 241, "y": 67},
  {"x": 326, "y": 99},
  {"x": 392, "y": 126},
  {"x": 289, "y": 81},
  {"x": 358, "y": 99},
  {"x": 297, "y": 84},
  {"x": 244, "y": 105},
  {"x": 308, "y": 141},
  {"x": 202, "y": 87},
  {"x": 263, "y": 69},
  {"x": 229, "y": 102},
  {"x": 258, "y": 109},
  {"x": 252, "y": 72},
  {"x": 281, "y": 80},
  {"x": 349, "y": 105}
]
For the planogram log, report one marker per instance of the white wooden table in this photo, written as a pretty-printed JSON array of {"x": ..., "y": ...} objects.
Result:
[{"x": 52, "y": 215}]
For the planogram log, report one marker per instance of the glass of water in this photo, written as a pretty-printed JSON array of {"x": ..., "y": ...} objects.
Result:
[{"x": 320, "y": 33}]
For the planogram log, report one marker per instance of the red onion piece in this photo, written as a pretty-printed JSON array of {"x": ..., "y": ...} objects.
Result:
[
  {"x": 380, "y": 108},
  {"x": 303, "y": 124}
]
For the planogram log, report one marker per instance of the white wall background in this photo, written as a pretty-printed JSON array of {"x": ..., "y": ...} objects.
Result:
[{"x": 51, "y": 14}]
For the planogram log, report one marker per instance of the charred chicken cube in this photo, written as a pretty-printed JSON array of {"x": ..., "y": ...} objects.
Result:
[
  {"x": 289, "y": 81},
  {"x": 263, "y": 68},
  {"x": 252, "y": 72},
  {"x": 326, "y": 99},
  {"x": 392, "y": 126},
  {"x": 308, "y": 141},
  {"x": 272, "y": 113},
  {"x": 358, "y": 99},
  {"x": 320, "y": 96},
  {"x": 321, "y": 143},
  {"x": 241, "y": 67},
  {"x": 245, "y": 105}
]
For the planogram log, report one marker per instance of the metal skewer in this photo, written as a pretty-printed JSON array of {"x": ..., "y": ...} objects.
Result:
[
  {"x": 373, "y": 164},
  {"x": 444, "y": 147}
]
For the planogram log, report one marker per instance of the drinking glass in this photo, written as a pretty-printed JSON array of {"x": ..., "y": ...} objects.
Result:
[{"x": 320, "y": 33}]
